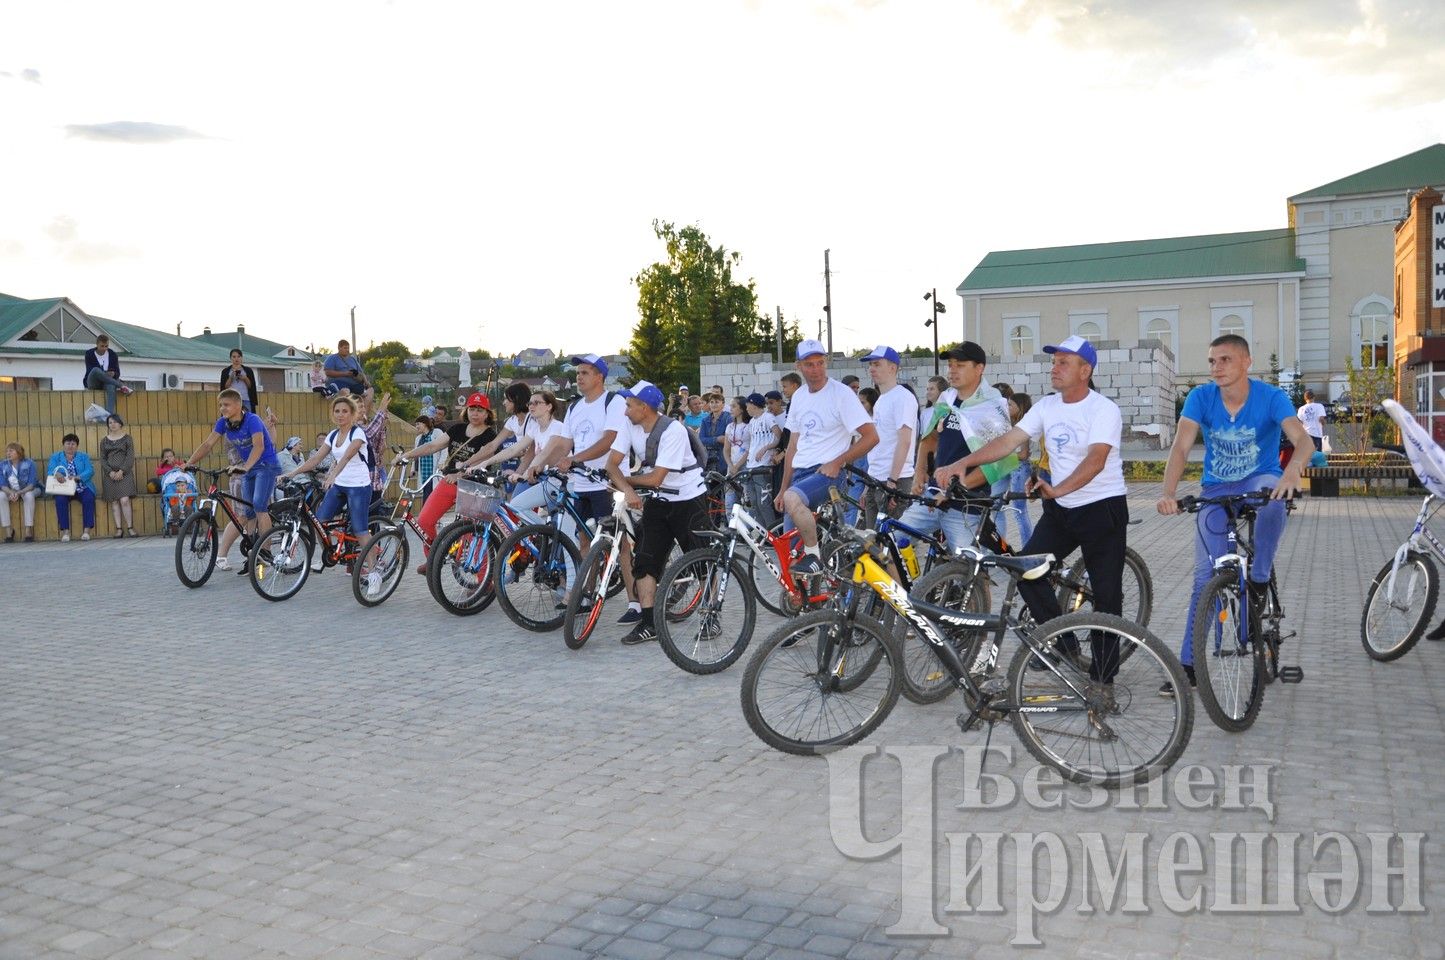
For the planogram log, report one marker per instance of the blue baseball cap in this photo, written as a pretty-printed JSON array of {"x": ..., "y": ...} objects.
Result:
[
  {"x": 811, "y": 348},
  {"x": 757, "y": 399},
  {"x": 1077, "y": 344},
  {"x": 644, "y": 391},
  {"x": 773, "y": 395},
  {"x": 593, "y": 359},
  {"x": 881, "y": 352}
]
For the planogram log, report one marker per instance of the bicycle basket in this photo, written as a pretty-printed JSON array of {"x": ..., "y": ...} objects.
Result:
[{"x": 477, "y": 501}]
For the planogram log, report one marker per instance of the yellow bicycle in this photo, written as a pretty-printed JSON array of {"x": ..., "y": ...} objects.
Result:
[{"x": 1086, "y": 707}]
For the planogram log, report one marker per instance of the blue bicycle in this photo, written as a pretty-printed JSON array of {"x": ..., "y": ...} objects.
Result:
[
  {"x": 537, "y": 563},
  {"x": 460, "y": 566}
]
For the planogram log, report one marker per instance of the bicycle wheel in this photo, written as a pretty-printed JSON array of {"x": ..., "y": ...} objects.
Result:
[
  {"x": 954, "y": 585},
  {"x": 196, "y": 550},
  {"x": 801, "y": 693},
  {"x": 711, "y": 623},
  {"x": 532, "y": 571},
  {"x": 459, "y": 567},
  {"x": 1138, "y": 589},
  {"x": 280, "y": 563},
  {"x": 1397, "y": 609},
  {"x": 584, "y": 606},
  {"x": 380, "y": 563},
  {"x": 1101, "y": 721},
  {"x": 1229, "y": 670},
  {"x": 766, "y": 586}
]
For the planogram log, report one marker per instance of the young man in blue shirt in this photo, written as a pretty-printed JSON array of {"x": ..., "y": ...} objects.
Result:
[{"x": 1241, "y": 420}]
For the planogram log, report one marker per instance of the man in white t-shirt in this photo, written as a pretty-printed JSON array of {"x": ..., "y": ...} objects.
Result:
[
  {"x": 675, "y": 472},
  {"x": 895, "y": 414},
  {"x": 822, "y": 418},
  {"x": 1085, "y": 505},
  {"x": 1312, "y": 415}
]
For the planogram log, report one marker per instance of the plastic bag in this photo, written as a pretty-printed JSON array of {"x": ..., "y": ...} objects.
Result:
[{"x": 95, "y": 413}]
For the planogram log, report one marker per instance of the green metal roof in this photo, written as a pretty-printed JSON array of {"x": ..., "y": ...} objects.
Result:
[
  {"x": 1258, "y": 252},
  {"x": 158, "y": 345},
  {"x": 1423, "y": 168},
  {"x": 17, "y": 315},
  {"x": 253, "y": 346}
]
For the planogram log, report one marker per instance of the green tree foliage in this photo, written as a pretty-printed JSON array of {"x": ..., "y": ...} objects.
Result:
[
  {"x": 389, "y": 348},
  {"x": 690, "y": 305}
]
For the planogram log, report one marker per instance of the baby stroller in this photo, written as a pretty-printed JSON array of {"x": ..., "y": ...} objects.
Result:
[{"x": 178, "y": 500}]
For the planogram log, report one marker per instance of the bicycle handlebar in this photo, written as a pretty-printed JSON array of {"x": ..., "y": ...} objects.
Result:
[{"x": 1254, "y": 498}]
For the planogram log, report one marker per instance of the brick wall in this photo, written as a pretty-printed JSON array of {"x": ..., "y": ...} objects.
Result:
[{"x": 1137, "y": 375}]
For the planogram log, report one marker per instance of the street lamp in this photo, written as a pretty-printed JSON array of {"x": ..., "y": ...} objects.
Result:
[{"x": 933, "y": 322}]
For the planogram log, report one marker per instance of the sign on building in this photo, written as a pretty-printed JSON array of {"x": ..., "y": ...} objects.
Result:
[{"x": 1437, "y": 217}]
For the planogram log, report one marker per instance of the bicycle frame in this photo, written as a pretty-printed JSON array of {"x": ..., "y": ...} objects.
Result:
[
  {"x": 1420, "y": 541},
  {"x": 922, "y": 616},
  {"x": 750, "y": 532}
]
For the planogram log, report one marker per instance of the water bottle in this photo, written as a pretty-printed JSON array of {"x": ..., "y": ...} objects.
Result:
[{"x": 910, "y": 557}]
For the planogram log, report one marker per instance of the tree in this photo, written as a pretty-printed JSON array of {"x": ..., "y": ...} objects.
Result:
[
  {"x": 690, "y": 306},
  {"x": 389, "y": 348}
]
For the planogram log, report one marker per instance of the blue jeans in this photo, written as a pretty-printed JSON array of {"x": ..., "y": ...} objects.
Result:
[
  {"x": 335, "y": 384},
  {"x": 100, "y": 379},
  {"x": 856, "y": 491},
  {"x": 257, "y": 485},
  {"x": 1019, "y": 509},
  {"x": 86, "y": 496},
  {"x": 958, "y": 527},
  {"x": 1212, "y": 541},
  {"x": 358, "y": 505}
]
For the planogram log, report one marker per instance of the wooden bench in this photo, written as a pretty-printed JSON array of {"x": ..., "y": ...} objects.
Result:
[{"x": 1367, "y": 468}]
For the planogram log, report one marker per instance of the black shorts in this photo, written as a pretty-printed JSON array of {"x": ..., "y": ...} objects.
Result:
[
  {"x": 665, "y": 523},
  {"x": 594, "y": 504}
]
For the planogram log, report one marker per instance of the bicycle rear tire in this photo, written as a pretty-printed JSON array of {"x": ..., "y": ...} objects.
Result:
[
  {"x": 958, "y": 586},
  {"x": 801, "y": 693},
  {"x": 766, "y": 586},
  {"x": 280, "y": 563},
  {"x": 1138, "y": 589},
  {"x": 196, "y": 544},
  {"x": 1416, "y": 580},
  {"x": 1232, "y": 678},
  {"x": 1134, "y": 739}
]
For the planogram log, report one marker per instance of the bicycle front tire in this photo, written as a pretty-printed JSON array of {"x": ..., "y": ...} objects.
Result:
[
  {"x": 196, "y": 550},
  {"x": 698, "y": 633},
  {"x": 531, "y": 576},
  {"x": 801, "y": 693},
  {"x": 1231, "y": 675},
  {"x": 280, "y": 564},
  {"x": 459, "y": 568},
  {"x": 958, "y": 586},
  {"x": 1394, "y": 619},
  {"x": 381, "y": 562},
  {"x": 584, "y": 606}
]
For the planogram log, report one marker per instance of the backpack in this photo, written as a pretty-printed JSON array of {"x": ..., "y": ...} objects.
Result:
[
  {"x": 364, "y": 454},
  {"x": 654, "y": 440}
]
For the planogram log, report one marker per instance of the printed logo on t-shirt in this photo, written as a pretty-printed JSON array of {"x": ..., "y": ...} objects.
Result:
[
  {"x": 1063, "y": 437},
  {"x": 582, "y": 433},
  {"x": 811, "y": 421},
  {"x": 1236, "y": 453}
]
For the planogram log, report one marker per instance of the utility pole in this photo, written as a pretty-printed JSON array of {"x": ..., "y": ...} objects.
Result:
[
  {"x": 828, "y": 299},
  {"x": 780, "y": 335},
  {"x": 356, "y": 347},
  {"x": 937, "y": 309}
]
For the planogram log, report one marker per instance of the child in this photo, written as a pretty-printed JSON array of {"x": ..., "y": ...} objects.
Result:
[{"x": 318, "y": 380}]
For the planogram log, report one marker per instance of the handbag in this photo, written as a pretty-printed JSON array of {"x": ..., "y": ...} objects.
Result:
[{"x": 55, "y": 487}]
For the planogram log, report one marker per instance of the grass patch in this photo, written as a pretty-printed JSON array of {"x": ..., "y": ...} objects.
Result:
[{"x": 1146, "y": 470}]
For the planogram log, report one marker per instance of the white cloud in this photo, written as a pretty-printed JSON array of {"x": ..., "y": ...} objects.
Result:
[{"x": 132, "y": 131}]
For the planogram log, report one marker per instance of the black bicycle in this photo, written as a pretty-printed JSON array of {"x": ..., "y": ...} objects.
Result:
[
  {"x": 199, "y": 536},
  {"x": 1236, "y": 631}
]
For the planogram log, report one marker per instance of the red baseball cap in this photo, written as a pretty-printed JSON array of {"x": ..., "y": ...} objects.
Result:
[{"x": 479, "y": 400}]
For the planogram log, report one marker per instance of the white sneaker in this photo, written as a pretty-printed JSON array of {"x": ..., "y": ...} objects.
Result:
[
  {"x": 317, "y": 564},
  {"x": 65, "y": 537},
  {"x": 85, "y": 536},
  {"x": 373, "y": 583},
  {"x": 223, "y": 563}
]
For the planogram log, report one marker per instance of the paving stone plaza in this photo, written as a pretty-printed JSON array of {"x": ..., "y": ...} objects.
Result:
[{"x": 206, "y": 774}]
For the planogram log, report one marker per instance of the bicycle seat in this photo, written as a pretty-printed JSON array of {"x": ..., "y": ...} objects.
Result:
[{"x": 1028, "y": 568}]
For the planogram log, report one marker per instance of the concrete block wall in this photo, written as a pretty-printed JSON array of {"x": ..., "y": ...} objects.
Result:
[{"x": 1137, "y": 375}]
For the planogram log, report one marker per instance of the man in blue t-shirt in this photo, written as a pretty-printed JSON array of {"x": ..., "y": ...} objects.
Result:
[
  {"x": 253, "y": 455},
  {"x": 342, "y": 369},
  {"x": 1241, "y": 420}
]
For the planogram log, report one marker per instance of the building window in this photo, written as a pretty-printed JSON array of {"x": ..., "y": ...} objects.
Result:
[
  {"x": 1375, "y": 324},
  {"x": 1163, "y": 331},
  {"x": 1021, "y": 341},
  {"x": 1089, "y": 330},
  {"x": 1089, "y": 324},
  {"x": 1231, "y": 324}
]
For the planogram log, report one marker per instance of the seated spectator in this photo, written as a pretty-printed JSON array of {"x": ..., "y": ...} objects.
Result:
[
  {"x": 169, "y": 462},
  {"x": 291, "y": 456},
  {"x": 318, "y": 380},
  {"x": 71, "y": 463},
  {"x": 343, "y": 370},
  {"x": 326, "y": 461},
  {"x": 102, "y": 371},
  {"x": 18, "y": 484}
]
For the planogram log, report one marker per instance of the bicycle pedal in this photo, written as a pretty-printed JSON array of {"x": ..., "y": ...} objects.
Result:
[
  {"x": 1291, "y": 675},
  {"x": 1288, "y": 636},
  {"x": 967, "y": 721}
]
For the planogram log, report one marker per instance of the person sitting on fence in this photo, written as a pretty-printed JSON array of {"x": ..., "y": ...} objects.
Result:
[
  {"x": 18, "y": 484},
  {"x": 72, "y": 463},
  {"x": 102, "y": 371}
]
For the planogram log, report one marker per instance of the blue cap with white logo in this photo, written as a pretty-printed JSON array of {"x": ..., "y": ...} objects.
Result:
[
  {"x": 1077, "y": 344},
  {"x": 881, "y": 352},
  {"x": 644, "y": 391},
  {"x": 593, "y": 359},
  {"x": 811, "y": 348}
]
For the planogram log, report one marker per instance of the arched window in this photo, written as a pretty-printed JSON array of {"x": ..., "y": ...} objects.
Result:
[
  {"x": 1375, "y": 330},
  {"x": 1089, "y": 330},
  {"x": 1021, "y": 341},
  {"x": 1233, "y": 323},
  {"x": 1163, "y": 331}
]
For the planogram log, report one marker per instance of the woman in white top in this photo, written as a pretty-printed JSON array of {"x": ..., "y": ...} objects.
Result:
[
  {"x": 545, "y": 412},
  {"x": 350, "y": 476},
  {"x": 735, "y": 443}
]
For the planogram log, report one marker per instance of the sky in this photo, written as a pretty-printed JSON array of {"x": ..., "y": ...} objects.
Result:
[{"x": 487, "y": 174}]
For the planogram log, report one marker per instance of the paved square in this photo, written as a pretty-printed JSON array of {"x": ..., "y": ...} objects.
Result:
[{"x": 206, "y": 774}]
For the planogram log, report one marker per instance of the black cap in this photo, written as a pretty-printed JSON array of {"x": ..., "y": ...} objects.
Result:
[{"x": 967, "y": 350}]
